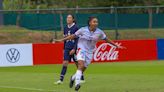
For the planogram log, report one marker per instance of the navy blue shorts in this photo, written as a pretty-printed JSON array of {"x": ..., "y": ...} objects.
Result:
[{"x": 68, "y": 57}]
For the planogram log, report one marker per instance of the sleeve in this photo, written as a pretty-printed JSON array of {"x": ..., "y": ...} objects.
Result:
[
  {"x": 78, "y": 32},
  {"x": 103, "y": 35}
]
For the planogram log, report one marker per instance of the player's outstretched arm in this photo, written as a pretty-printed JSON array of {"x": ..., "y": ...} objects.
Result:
[
  {"x": 113, "y": 43},
  {"x": 70, "y": 37}
]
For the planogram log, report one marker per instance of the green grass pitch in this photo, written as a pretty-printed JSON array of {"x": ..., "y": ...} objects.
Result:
[{"x": 100, "y": 77}]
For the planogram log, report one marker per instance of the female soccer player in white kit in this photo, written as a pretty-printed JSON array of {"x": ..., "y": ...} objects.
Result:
[{"x": 88, "y": 37}]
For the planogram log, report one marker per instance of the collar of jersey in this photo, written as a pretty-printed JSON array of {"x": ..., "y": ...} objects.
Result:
[
  {"x": 71, "y": 25},
  {"x": 91, "y": 31}
]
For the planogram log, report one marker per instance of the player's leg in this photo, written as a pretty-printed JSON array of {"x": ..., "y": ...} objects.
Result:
[
  {"x": 72, "y": 79},
  {"x": 77, "y": 76},
  {"x": 80, "y": 57},
  {"x": 79, "y": 73},
  {"x": 64, "y": 70},
  {"x": 76, "y": 63},
  {"x": 64, "y": 67},
  {"x": 82, "y": 77},
  {"x": 75, "y": 59},
  {"x": 82, "y": 64}
]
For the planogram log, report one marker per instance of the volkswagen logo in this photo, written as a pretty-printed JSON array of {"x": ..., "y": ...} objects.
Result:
[{"x": 13, "y": 55}]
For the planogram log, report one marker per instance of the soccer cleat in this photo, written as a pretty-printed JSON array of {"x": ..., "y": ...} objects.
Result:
[
  {"x": 71, "y": 82},
  {"x": 77, "y": 87},
  {"x": 58, "y": 82}
]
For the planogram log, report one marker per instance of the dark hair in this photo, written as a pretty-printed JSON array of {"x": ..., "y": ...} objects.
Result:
[
  {"x": 90, "y": 19},
  {"x": 73, "y": 17}
]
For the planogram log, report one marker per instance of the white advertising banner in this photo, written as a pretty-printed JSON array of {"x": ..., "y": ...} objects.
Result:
[{"x": 16, "y": 55}]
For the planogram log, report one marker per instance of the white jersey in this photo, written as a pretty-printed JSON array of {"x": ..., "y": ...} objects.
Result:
[{"x": 87, "y": 39}]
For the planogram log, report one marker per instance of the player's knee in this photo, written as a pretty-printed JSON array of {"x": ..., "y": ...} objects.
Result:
[
  {"x": 65, "y": 63},
  {"x": 80, "y": 65},
  {"x": 84, "y": 68}
]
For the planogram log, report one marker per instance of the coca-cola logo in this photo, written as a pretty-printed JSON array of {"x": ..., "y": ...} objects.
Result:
[{"x": 106, "y": 51}]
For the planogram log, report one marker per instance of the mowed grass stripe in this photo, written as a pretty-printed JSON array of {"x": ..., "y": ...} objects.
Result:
[{"x": 107, "y": 77}]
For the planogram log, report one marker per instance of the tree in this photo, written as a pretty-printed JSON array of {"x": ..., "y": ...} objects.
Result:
[{"x": 47, "y": 4}]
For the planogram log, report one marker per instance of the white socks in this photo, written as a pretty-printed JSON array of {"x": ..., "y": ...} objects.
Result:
[
  {"x": 78, "y": 77},
  {"x": 74, "y": 76}
]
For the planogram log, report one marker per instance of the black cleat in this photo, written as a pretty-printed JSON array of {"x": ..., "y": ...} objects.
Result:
[
  {"x": 77, "y": 87},
  {"x": 71, "y": 82}
]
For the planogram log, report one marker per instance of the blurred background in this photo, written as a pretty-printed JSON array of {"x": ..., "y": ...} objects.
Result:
[{"x": 37, "y": 21}]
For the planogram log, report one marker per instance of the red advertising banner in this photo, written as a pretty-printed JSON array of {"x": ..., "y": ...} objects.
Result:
[
  {"x": 48, "y": 53},
  {"x": 136, "y": 50}
]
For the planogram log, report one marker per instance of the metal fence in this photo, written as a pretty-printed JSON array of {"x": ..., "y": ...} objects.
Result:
[{"x": 110, "y": 18}]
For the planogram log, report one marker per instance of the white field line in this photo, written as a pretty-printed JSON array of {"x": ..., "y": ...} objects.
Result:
[{"x": 30, "y": 89}]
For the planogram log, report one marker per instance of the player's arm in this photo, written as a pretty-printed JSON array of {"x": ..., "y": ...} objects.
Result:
[
  {"x": 70, "y": 37},
  {"x": 104, "y": 37},
  {"x": 113, "y": 43}
]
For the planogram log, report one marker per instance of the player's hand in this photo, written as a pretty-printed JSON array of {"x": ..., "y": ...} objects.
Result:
[
  {"x": 72, "y": 52},
  {"x": 52, "y": 40},
  {"x": 118, "y": 45},
  {"x": 121, "y": 47},
  {"x": 55, "y": 41}
]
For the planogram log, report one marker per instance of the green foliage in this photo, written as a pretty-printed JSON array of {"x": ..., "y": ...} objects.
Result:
[{"x": 47, "y": 4}]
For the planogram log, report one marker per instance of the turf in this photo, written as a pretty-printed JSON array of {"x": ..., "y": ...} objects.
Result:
[{"x": 100, "y": 77}]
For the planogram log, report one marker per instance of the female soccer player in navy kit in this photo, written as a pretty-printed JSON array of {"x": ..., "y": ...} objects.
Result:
[
  {"x": 70, "y": 46},
  {"x": 88, "y": 37}
]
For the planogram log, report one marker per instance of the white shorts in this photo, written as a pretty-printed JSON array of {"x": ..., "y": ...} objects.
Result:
[{"x": 84, "y": 56}]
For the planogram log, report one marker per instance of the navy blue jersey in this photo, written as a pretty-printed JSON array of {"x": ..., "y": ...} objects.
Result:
[{"x": 70, "y": 44}]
